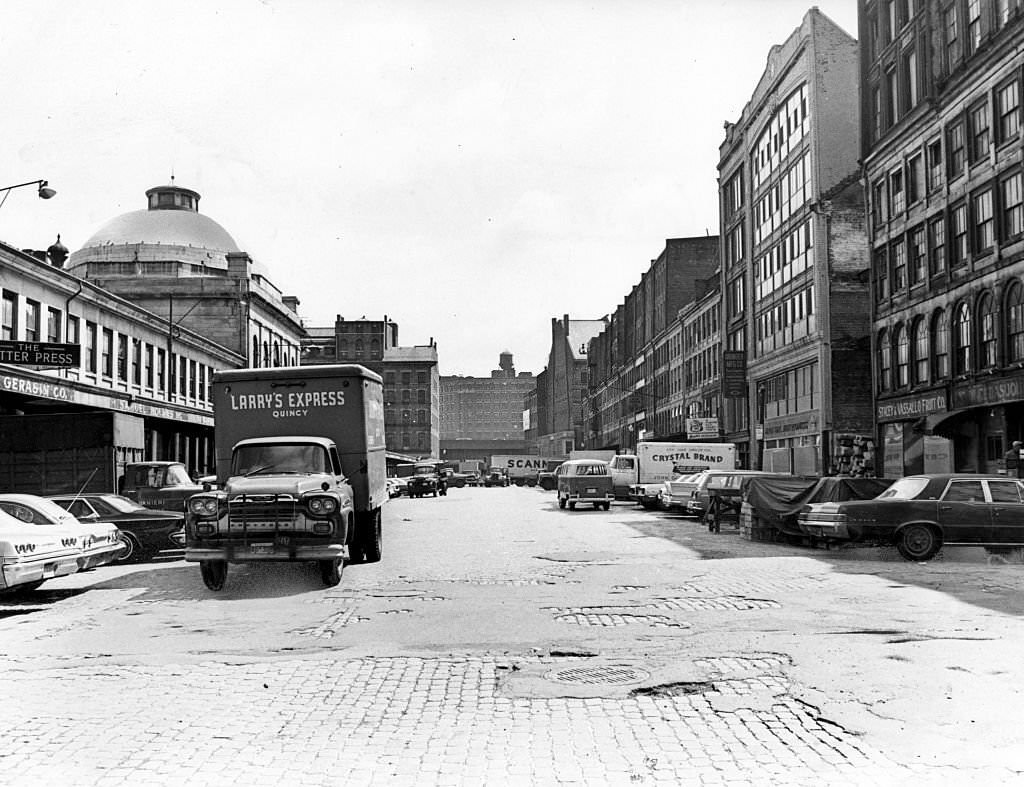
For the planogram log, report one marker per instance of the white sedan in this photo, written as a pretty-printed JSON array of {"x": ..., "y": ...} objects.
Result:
[
  {"x": 30, "y": 555},
  {"x": 98, "y": 543}
]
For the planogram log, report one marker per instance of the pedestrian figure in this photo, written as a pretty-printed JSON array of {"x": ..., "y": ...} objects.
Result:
[{"x": 1012, "y": 459}]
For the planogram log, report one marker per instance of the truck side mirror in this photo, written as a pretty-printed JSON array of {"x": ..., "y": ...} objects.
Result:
[{"x": 207, "y": 486}]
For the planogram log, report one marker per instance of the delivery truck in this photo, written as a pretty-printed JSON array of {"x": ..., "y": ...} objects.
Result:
[
  {"x": 640, "y": 476},
  {"x": 521, "y": 468},
  {"x": 301, "y": 471}
]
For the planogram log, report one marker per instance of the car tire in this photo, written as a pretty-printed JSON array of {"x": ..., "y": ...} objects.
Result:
[
  {"x": 132, "y": 548},
  {"x": 561, "y": 502},
  {"x": 331, "y": 571},
  {"x": 214, "y": 573},
  {"x": 918, "y": 542},
  {"x": 607, "y": 506},
  {"x": 572, "y": 506}
]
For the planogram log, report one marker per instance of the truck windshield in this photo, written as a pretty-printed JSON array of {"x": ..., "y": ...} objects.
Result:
[
  {"x": 177, "y": 476},
  {"x": 279, "y": 458}
]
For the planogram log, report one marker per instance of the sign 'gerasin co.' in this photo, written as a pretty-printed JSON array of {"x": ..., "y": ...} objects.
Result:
[{"x": 40, "y": 353}]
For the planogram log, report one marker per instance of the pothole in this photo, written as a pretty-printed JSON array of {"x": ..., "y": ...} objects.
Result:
[
  {"x": 598, "y": 675},
  {"x": 611, "y": 619},
  {"x": 678, "y": 689}
]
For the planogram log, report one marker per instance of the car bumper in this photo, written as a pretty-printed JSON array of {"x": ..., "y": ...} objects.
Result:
[
  {"x": 19, "y": 572},
  {"x": 826, "y": 530},
  {"x": 92, "y": 558}
]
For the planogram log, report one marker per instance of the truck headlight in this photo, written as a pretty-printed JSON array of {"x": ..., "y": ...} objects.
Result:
[
  {"x": 322, "y": 505},
  {"x": 203, "y": 506}
]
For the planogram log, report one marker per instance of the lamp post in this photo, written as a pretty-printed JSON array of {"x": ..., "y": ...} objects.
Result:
[{"x": 43, "y": 189}]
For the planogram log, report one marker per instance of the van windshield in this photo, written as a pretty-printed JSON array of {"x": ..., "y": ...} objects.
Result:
[{"x": 279, "y": 458}]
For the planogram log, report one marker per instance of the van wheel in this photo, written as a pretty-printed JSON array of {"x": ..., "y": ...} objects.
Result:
[
  {"x": 561, "y": 502},
  {"x": 214, "y": 573},
  {"x": 330, "y": 571}
]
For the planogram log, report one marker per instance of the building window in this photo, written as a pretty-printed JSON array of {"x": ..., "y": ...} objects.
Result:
[
  {"x": 987, "y": 325},
  {"x": 934, "y": 153},
  {"x": 958, "y": 235},
  {"x": 732, "y": 194},
  {"x": 896, "y": 192},
  {"x": 910, "y": 91},
  {"x": 122, "y": 357},
  {"x": 421, "y": 396},
  {"x": 940, "y": 346},
  {"x": 892, "y": 108},
  {"x": 951, "y": 29},
  {"x": 53, "y": 323},
  {"x": 962, "y": 339},
  {"x": 73, "y": 337},
  {"x": 149, "y": 365},
  {"x": 1015, "y": 323},
  {"x": 1012, "y": 200},
  {"x": 192, "y": 379},
  {"x": 137, "y": 361},
  {"x": 876, "y": 112},
  {"x": 920, "y": 348},
  {"x": 918, "y": 255},
  {"x": 90, "y": 346},
  {"x": 1008, "y": 111},
  {"x": 406, "y": 378},
  {"x": 880, "y": 203},
  {"x": 973, "y": 26},
  {"x": 902, "y": 357},
  {"x": 881, "y": 275},
  {"x": 182, "y": 374},
  {"x": 884, "y": 361},
  {"x": 32, "y": 309},
  {"x": 955, "y": 147},
  {"x": 980, "y": 131},
  {"x": 915, "y": 179},
  {"x": 898, "y": 254},
  {"x": 984, "y": 223},
  {"x": 421, "y": 416},
  {"x": 202, "y": 382},
  {"x": 161, "y": 370},
  {"x": 937, "y": 246},
  {"x": 107, "y": 353},
  {"x": 9, "y": 329}
]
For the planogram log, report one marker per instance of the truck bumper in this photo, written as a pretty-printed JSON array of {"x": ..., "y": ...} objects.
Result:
[{"x": 268, "y": 551}]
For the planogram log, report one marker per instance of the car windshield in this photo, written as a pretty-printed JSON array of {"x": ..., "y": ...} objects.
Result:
[
  {"x": 904, "y": 489},
  {"x": 117, "y": 503},
  {"x": 266, "y": 459},
  {"x": 424, "y": 471}
]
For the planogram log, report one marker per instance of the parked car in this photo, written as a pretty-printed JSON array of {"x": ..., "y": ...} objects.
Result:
[
  {"x": 458, "y": 480},
  {"x": 473, "y": 479},
  {"x": 675, "y": 494},
  {"x": 921, "y": 513},
  {"x": 697, "y": 505},
  {"x": 164, "y": 486},
  {"x": 398, "y": 486},
  {"x": 426, "y": 480},
  {"x": 585, "y": 481},
  {"x": 99, "y": 543},
  {"x": 496, "y": 477},
  {"x": 144, "y": 531},
  {"x": 31, "y": 555},
  {"x": 548, "y": 479}
]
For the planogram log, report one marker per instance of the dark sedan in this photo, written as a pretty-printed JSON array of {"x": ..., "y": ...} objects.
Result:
[
  {"x": 921, "y": 513},
  {"x": 145, "y": 531}
]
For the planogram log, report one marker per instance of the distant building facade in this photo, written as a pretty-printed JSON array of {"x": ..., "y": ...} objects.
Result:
[
  {"x": 412, "y": 398},
  {"x": 796, "y": 321},
  {"x": 942, "y": 119},
  {"x": 482, "y": 416}
]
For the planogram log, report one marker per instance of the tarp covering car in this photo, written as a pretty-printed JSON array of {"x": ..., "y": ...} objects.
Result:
[{"x": 777, "y": 501}]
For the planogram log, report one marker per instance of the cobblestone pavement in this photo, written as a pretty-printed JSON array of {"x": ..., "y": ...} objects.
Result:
[
  {"x": 597, "y": 652},
  {"x": 446, "y": 722}
]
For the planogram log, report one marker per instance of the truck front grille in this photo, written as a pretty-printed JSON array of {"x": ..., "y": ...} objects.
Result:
[{"x": 263, "y": 512}]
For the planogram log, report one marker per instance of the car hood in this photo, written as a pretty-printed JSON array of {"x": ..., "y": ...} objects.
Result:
[{"x": 277, "y": 484}]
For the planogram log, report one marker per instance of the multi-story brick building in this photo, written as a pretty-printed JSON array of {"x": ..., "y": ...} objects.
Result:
[
  {"x": 411, "y": 380},
  {"x": 483, "y": 416},
  {"x": 794, "y": 258},
  {"x": 942, "y": 161},
  {"x": 636, "y": 391}
]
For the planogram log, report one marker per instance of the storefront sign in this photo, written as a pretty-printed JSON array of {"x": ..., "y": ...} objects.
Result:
[
  {"x": 701, "y": 428},
  {"x": 734, "y": 374},
  {"x": 986, "y": 392},
  {"x": 36, "y": 388},
  {"x": 802, "y": 423},
  {"x": 40, "y": 353},
  {"x": 910, "y": 407}
]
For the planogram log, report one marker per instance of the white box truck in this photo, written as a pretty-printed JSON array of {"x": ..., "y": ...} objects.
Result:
[{"x": 640, "y": 476}]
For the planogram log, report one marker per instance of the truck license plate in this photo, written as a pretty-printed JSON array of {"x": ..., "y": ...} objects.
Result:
[
  {"x": 591, "y": 490},
  {"x": 261, "y": 549}
]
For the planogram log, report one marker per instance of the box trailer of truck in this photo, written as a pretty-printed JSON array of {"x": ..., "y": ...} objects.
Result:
[
  {"x": 521, "y": 468},
  {"x": 301, "y": 471},
  {"x": 640, "y": 476}
]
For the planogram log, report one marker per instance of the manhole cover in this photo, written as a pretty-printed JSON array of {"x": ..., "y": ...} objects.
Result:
[{"x": 598, "y": 675}]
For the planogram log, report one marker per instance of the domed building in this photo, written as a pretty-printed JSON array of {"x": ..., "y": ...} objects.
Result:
[{"x": 182, "y": 265}]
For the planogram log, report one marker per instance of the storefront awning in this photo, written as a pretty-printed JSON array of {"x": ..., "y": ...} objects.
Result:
[{"x": 941, "y": 424}]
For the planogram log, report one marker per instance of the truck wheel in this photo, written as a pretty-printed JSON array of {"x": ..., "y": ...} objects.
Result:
[
  {"x": 597, "y": 506},
  {"x": 330, "y": 571},
  {"x": 214, "y": 572},
  {"x": 606, "y": 506},
  {"x": 572, "y": 506},
  {"x": 371, "y": 540},
  {"x": 561, "y": 502}
]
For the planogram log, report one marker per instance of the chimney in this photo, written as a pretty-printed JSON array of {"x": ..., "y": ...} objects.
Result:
[{"x": 291, "y": 302}]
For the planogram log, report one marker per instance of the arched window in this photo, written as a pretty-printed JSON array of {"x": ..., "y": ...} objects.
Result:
[
  {"x": 962, "y": 339},
  {"x": 266, "y": 353},
  {"x": 255, "y": 352},
  {"x": 902, "y": 357},
  {"x": 988, "y": 353},
  {"x": 277, "y": 354},
  {"x": 940, "y": 346},
  {"x": 919, "y": 341},
  {"x": 1015, "y": 323},
  {"x": 884, "y": 361}
]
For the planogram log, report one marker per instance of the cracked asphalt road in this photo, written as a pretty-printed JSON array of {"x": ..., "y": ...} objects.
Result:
[{"x": 504, "y": 641}]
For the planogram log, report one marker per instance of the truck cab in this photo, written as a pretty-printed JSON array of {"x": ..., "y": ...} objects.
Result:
[
  {"x": 624, "y": 470},
  {"x": 165, "y": 486}
]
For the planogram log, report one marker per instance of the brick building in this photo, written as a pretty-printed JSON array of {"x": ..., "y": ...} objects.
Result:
[
  {"x": 483, "y": 416},
  {"x": 636, "y": 388},
  {"x": 795, "y": 260},
  {"x": 942, "y": 161}
]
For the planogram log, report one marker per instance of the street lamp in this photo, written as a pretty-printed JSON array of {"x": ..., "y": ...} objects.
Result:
[{"x": 44, "y": 191}]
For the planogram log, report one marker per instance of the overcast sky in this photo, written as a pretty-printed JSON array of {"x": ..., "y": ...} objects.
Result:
[{"x": 469, "y": 168}]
